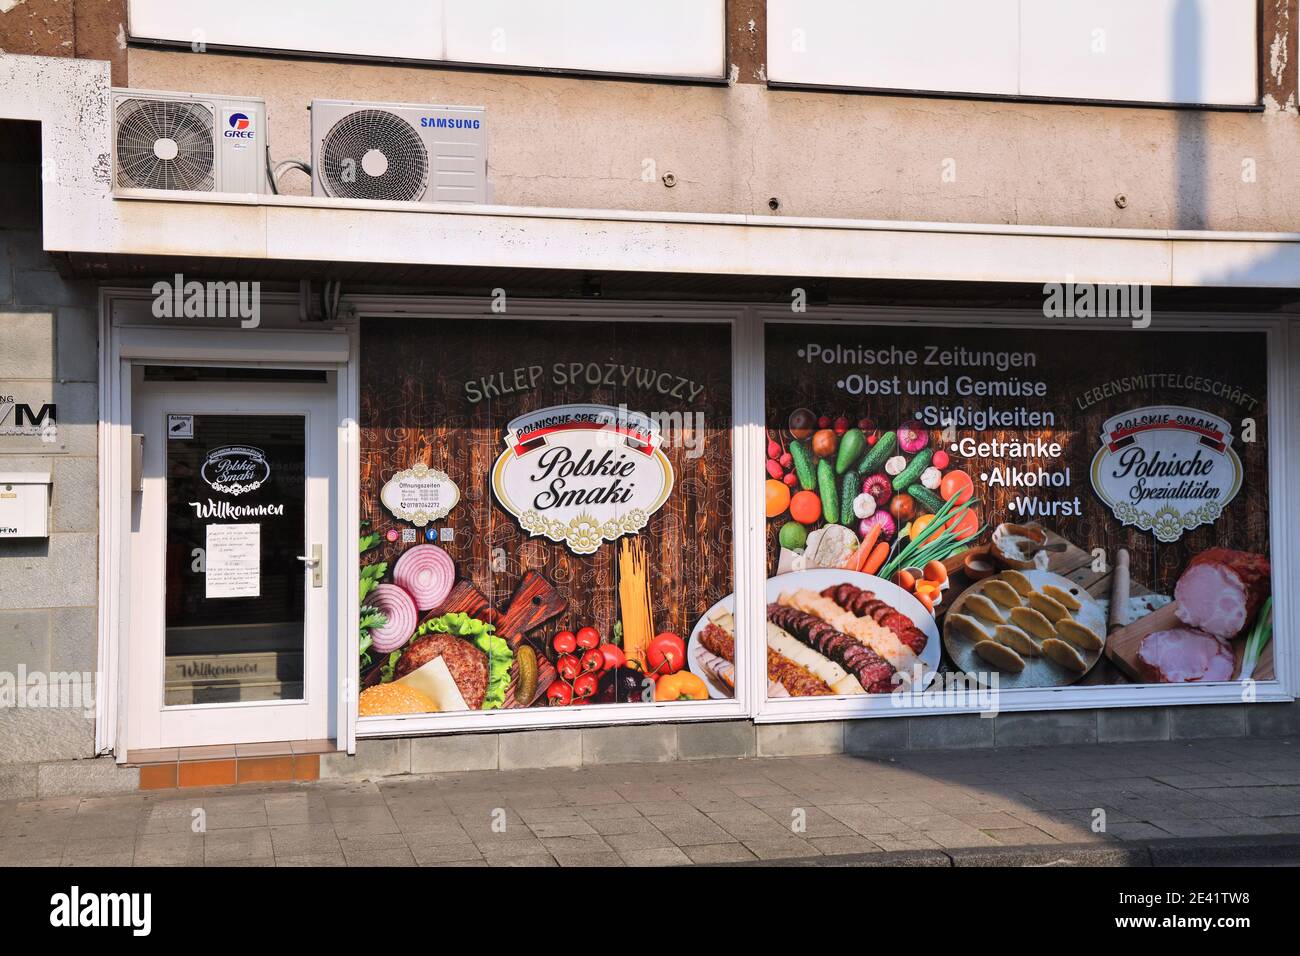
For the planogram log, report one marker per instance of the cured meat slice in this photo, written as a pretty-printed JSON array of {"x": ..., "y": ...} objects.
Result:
[
  {"x": 865, "y": 604},
  {"x": 874, "y": 673},
  {"x": 1184, "y": 654},
  {"x": 1221, "y": 591}
]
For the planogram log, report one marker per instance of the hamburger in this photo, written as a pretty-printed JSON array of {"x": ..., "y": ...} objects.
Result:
[
  {"x": 388, "y": 700},
  {"x": 467, "y": 665}
]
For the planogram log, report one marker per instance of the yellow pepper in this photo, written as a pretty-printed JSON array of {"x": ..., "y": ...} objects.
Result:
[{"x": 681, "y": 686}]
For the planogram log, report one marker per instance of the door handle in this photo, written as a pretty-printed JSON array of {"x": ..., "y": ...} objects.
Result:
[{"x": 314, "y": 562}]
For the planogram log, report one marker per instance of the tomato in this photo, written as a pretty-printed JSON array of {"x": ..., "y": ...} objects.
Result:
[
  {"x": 613, "y": 654},
  {"x": 559, "y": 694},
  {"x": 592, "y": 660},
  {"x": 568, "y": 667},
  {"x": 564, "y": 642},
  {"x": 587, "y": 638},
  {"x": 966, "y": 526},
  {"x": 665, "y": 654},
  {"x": 956, "y": 484},
  {"x": 806, "y": 507}
]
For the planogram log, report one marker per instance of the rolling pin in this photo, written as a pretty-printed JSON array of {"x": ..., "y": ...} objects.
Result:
[{"x": 1119, "y": 592}]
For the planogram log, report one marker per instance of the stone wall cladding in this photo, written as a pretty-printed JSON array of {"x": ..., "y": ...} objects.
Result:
[{"x": 48, "y": 587}]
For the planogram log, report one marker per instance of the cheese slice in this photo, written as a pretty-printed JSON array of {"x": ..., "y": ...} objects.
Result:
[
  {"x": 435, "y": 682},
  {"x": 839, "y": 680}
]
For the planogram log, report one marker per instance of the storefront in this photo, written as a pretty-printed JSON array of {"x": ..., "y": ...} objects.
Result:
[{"x": 570, "y": 513}]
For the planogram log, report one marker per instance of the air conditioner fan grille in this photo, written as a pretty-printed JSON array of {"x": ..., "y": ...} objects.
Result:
[
  {"x": 373, "y": 154},
  {"x": 162, "y": 144}
]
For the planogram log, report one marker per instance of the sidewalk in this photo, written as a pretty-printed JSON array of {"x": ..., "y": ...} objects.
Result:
[{"x": 716, "y": 811}]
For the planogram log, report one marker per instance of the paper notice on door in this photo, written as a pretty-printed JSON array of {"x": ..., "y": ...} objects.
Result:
[{"x": 234, "y": 561}]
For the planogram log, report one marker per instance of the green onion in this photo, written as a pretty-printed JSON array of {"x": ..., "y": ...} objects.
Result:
[
  {"x": 1258, "y": 639},
  {"x": 941, "y": 546}
]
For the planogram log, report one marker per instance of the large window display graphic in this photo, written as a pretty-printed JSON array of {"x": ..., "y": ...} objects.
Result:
[
  {"x": 1030, "y": 508},
  {"x": 547, "y": 513}
]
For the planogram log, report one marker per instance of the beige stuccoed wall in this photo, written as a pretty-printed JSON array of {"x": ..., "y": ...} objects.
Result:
[{"x": 576, "y": 142}]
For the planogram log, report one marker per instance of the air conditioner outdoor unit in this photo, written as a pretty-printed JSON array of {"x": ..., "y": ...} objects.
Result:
[
  {"x": 189, "y": 142},
  {"x": 398, "y": 151}
]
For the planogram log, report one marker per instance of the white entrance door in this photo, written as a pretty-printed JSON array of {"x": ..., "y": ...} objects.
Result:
[{"x": 230, "y": 638}]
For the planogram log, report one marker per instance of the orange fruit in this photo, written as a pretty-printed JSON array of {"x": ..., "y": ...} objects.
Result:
[{"x": 778, "y": 497}]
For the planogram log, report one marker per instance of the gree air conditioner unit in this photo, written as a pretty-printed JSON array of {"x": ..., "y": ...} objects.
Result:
[
  {"x": 397, "y": 151},
  {"x": 189, "y": 142}
]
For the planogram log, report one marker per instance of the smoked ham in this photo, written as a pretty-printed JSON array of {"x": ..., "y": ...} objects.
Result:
[
  {"x": 1221, "y": 591},
  {"x": 1184, "y": 654}
]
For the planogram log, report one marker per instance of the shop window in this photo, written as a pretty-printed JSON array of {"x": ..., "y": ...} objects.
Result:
[
  {"x": 547, "y": 514},
  {"x": 998, "y": 509}
]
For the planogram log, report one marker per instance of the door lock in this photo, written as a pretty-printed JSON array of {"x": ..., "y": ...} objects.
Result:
[{"x": 315, "y": 563}]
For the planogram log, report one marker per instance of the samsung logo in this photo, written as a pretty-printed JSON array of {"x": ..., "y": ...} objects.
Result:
[{"x": 442, "y": 122}]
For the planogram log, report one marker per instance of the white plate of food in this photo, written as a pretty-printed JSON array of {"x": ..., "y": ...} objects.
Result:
[
  {"x": 835, "y": 633},
  {"x": 1032, "y": 628}
]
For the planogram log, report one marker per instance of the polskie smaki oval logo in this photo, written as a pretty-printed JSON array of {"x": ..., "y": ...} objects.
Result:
[
  {"x": 235, "y": 469},
  {"x": 582, "y": 474},
  {"x": 1166, "y": 469}
]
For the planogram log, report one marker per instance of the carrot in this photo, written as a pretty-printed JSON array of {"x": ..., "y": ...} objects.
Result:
[
  {"x": 879, "y": 555},
  {"x": 863, "y": 554}
]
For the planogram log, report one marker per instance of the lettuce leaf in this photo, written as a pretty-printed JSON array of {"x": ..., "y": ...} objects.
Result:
[{"x": 485, "y": 638}]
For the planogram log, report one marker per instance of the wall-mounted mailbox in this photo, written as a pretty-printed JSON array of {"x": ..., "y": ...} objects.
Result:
[{"x": 24, "y": 504}]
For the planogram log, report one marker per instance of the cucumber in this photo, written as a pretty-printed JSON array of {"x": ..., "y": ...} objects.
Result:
[
  {"x": 924, "y": 497},
  {"x": 826, "y": 487},
  {"x": 803, "y": 465},
  {"x": 879, "y": 454},
  {"x": 849, "y": 488},
  {"x": 852, "y": 445},
  {"x": 912, "y": 473}
]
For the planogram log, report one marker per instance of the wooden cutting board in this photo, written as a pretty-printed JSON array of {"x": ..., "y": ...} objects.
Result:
[
  {"x": 1122, "y": 645},
  {"x": 534, "y": 603}
]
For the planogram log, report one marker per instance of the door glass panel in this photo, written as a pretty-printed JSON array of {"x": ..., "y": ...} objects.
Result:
[{"x": 235, "y": 529}]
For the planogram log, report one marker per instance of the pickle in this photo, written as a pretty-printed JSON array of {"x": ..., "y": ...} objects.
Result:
[{"x": 526, "y": 674}]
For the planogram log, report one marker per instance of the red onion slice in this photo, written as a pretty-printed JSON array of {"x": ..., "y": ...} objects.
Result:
[
  {"x": 397, "y": 606},
  {"x": 427, "y": 573}
]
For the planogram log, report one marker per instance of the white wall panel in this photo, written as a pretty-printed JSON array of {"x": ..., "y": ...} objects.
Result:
[
  {"x": 388, "y": 28},
  {"x": 667, "y": 37},
  {"x": 1161, "y": 51},
  {"x": 959, "y": 46},
  {"x": 1158, "y": 51}
]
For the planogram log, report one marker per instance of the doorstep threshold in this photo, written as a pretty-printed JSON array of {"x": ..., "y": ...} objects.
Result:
[{"x": 229, "y": 764}]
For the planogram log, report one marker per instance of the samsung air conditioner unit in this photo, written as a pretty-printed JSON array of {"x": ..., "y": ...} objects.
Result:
[
  {"x": 189, "y": 142},
  {"x": 399, "y": 152}
]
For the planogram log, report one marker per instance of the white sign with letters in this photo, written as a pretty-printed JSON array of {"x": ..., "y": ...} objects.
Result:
[
  {"x": 1166, "y": 469},
  {"x": 233, "y": 561},
  {"x": 582, "y": 474}
]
